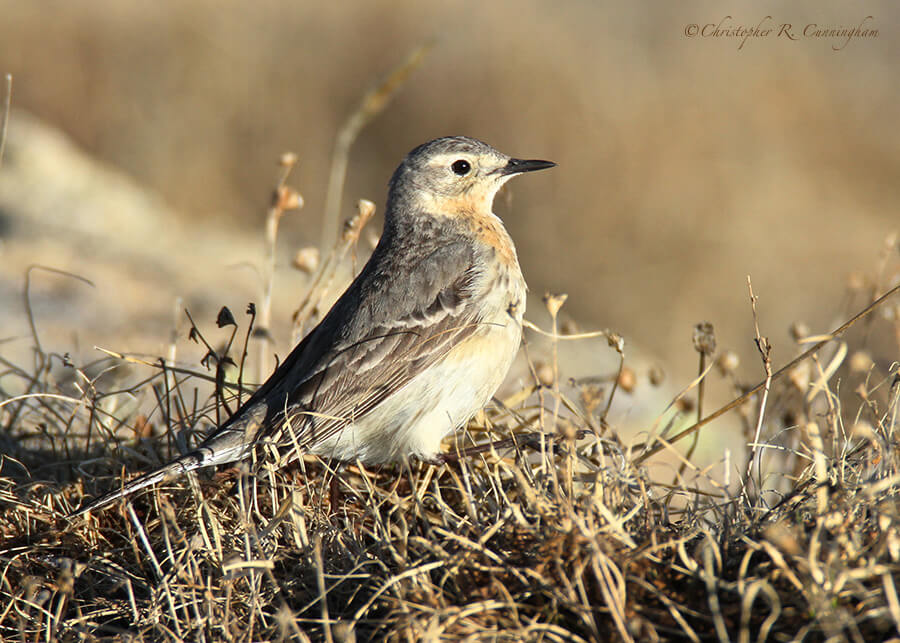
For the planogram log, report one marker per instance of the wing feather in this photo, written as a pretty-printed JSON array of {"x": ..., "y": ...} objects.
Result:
[
  {"x": 360, "y": 378},
  {"x": 364, "y": 350}
]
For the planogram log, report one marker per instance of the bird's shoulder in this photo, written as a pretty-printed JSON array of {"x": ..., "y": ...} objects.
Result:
[{"x": 413, "y": 273}]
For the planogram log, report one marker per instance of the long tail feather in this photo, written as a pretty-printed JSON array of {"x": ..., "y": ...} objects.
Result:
[
  {"x": 168, "y": 471},
  {"x": 222, "y": 447}
]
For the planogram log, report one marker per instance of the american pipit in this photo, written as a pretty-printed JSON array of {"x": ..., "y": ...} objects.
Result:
[{"x": 416, "y": 345}]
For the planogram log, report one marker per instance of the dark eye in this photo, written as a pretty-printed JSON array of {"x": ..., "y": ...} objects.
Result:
[{"x": 461, "y": 167}]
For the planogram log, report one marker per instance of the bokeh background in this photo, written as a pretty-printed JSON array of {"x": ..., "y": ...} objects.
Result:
[{"x": 685, "y": 163}]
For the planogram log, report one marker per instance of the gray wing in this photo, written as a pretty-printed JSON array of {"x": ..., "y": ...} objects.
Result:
[{"x": 380, "y": 334}]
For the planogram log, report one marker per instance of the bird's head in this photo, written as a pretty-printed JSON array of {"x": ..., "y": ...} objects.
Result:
[{"x": 455, "y": 175}]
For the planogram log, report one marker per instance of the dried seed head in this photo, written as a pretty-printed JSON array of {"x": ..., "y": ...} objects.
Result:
[
  {"x": 616, "y": 341},
  {"x": 354, "y": 225},
  {"x": 554, "y": 302},
  {"x": 366, "y": 209},
  {"x": 307, "y": 259},
  {"x": 856, "y": 281},
  {"x": 288, "y": 159},
  {"x": 225, "y": 318},
  {"x": 704, "y": 338},
  {"x": 657, "y": 376},
  {"x": 685, "y": 404},
  {"x": 287, "y": 198},
  {"x": 861, "y": 362},
  {"x": 799, "y": 331},
  {"x": 627, "y": 379},
  {"x": 544, "y": 373},
  {"x": 728, "y": 362}
]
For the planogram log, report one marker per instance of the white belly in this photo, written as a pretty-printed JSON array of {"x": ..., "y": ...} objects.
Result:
[{"x": 414, "y": 419}]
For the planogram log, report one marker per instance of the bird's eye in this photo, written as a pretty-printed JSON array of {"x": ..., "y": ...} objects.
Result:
[{"x": 461, "y": 167}]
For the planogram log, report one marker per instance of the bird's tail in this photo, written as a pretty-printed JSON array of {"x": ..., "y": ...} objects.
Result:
[{"x": 220, "y": 448}]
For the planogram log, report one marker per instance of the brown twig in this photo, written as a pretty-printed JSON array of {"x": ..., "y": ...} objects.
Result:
[
  {"x": 372, "y": 104},
  {"x": 284, "y": 199},
  {"x": 7, "y": 99},
  {"x": 704, "y": 339},
  {"x": 765, "y": 350}
]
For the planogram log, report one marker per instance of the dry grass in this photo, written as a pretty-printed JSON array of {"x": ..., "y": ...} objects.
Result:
[
  {"x": 562, "y": 534},
  {"x": 561, "y": 537}
]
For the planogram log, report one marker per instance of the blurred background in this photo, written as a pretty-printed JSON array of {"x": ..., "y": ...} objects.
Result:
[{"x": 685, "y": 163}]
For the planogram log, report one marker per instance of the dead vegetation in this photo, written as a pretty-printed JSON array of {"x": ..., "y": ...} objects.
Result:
[{"x": 561, "y": 533}]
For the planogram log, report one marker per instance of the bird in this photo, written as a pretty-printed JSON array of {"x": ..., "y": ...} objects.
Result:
[{"x": 415, "y": 346}]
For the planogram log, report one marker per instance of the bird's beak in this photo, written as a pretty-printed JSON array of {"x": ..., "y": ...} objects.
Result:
[{"x": 517, "y": 166}]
